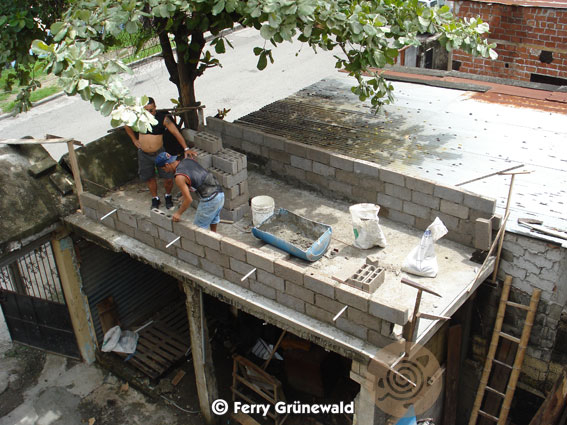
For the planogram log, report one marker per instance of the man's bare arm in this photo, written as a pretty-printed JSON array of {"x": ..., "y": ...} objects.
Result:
[
  {"x": 132, "y": 135},
  {"x": 181, "y": 182}
]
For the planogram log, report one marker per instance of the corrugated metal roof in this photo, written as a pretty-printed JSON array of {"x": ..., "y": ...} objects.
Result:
[{"x": 440, "y": 134}]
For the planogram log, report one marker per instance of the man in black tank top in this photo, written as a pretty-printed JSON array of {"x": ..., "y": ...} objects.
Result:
[{"x": 191, "y": 177}]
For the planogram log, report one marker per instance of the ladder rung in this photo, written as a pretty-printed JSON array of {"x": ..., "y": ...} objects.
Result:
[
  {"x": 522, "y": 306},
  {"x": 492, "y": 390},
  {"x": 487, "y": 415},
  {"x": 503, "y": 364},
  {"x": 509, "y": 337}
]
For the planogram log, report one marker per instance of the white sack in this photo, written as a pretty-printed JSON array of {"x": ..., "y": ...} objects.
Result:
[
  {"x": 367, "y": 231},
  {"x": 120, "y": 341},
  {"x": 421, "y": 261}
]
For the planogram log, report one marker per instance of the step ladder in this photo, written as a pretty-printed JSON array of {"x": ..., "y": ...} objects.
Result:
[{"x": 516, "y": 367}]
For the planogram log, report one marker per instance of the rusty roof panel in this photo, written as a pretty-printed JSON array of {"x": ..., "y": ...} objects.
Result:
[{"x": 557, "y": 4}]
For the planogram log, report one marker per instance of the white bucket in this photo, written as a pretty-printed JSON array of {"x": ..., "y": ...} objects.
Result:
[{"x": 262, "y": 208}]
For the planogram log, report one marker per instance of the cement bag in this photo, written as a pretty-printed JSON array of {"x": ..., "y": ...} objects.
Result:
[
  {"x": 367, "y": 231},
  {"x": 422, "y": 261},
  {"x": 120, "y": 341}
]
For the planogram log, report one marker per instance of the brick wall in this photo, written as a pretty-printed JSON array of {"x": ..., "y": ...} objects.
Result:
[
  {"x": 524, "y": 33},
  {"x": 402, "y": 198}
]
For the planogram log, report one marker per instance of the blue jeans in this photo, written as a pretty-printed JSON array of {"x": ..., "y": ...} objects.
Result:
[{"x": 208, "y": 212}]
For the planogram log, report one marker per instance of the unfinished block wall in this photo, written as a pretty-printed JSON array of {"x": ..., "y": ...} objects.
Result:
[
  {"x": 277, "y": 276},
  {"x": 402, "y": 198},
  {"x": 523, "y": 34}
]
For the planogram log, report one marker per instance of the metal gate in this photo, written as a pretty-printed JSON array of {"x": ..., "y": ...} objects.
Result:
[{"x": 33, "y": 302}]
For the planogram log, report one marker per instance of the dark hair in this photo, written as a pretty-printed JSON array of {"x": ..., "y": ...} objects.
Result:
[{"x": 151, "y": 101}]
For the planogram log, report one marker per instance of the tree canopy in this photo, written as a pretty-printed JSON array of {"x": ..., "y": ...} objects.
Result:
[{"x": 368, "y": 34}]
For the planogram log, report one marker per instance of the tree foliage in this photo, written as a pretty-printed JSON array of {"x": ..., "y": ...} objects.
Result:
[
  {"x": 368, "y": 34},
  {"x": 21, "y": 22}
]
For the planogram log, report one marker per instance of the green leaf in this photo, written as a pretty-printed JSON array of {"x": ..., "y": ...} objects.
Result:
[
  {"x": 39, "y": 47},
  {"x": 262, "y": 62},
  {"x": 219, "y": 47},
  {"x": 131, "y": 27},
  {"x": 218, "y": 7},
  {"x": 267, "y": 32},
  {"x": 257, "y": 51}
]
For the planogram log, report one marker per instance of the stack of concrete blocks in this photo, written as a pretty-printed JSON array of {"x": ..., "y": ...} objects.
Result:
[{"x": 230, "y": 169}]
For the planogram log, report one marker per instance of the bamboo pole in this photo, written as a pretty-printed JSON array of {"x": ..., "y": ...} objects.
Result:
[{"x": 75, "y": 170}]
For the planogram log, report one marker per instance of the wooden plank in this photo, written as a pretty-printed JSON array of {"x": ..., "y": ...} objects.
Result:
[
  {"x": 178, "y": 377},
  {"x": 452, "y": 378},
  {"x": 550, "y": 411}
]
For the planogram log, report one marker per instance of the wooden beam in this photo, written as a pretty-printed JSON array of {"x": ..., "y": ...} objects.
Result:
[
  {"x": 452, "y": 377},
  {"x": 76, "y": 171},
  {"x": 77, "y": 302},
  {"x": 46, "y": 141},
  {"x": 202, "y": 355}
]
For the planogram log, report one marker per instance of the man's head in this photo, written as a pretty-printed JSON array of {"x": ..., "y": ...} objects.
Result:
[
  {"x": 151, "y": 106},
  {"x": 163, "y": 160}
]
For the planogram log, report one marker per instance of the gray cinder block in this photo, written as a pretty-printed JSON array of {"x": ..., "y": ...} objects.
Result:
[
  {"x": 482, "y": 234},
  {"x": 208, "y": 142}
]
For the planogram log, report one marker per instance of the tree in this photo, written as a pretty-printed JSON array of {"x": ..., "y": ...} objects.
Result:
[
  {"x": 369, "y": 34},
  {"x": 21, "y": 22}
]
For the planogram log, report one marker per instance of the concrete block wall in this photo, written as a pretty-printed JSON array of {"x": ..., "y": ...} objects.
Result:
[
  {"x": 522, "y": 34},
  {"x": 532, "y": 263},
  {"x": 402, "y": 198},
  {"x": 277, "y": 276}
]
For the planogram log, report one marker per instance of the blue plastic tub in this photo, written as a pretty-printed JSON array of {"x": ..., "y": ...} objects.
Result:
[{"x": 297, "y": 235}]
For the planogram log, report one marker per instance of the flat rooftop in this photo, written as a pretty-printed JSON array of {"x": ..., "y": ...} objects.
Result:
[{"x": 455, "y": 281}]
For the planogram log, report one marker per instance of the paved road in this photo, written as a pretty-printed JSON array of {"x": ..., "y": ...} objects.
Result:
[{"x": 238, "y": 86}]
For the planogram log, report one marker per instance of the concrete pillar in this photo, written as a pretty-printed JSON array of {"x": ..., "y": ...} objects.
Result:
[
  {"x": 201, "y": 352},
  {"x": 77, "y": 302},
  {"x": 366, "y": 411}
]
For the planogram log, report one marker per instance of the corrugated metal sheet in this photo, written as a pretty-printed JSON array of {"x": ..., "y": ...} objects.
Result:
[
  {"x": 553, "y": 4},
  {"x": 138, "y": 289}
]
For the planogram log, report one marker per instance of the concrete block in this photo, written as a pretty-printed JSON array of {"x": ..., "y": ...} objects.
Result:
[
  {"x": 216, "y": 257},
  {"x": 208, "y": 142},
  {"x": 387, "y": 328},
  {"x": 424, "y": 187},
  {"x": 401, "y": 217},
  {"x": 316, "y": 180},
  {"x": 185, "y": 230},
  {"x": 293, "y": 172},
  {"x": 261, "y": 259},
  {"x": 397, "y": 191},
  {"x": 192, "y": 247},
  {"x": 363, "y": 319},
  {"x": 231, "y": 141},
  {"x": 448, "y": 193},
  {"x": 275, "y": 142},
  {"x": 211, "y": 267},
  {"x": 347, "y": 177},
  {"x": 243, "y": 187},
  {"x": 270, "y": 279},
  {"x": 189, "y": 136},
  {"x": 300, "y": 292},
  {"x": 480, "y": 203},
  {"x": 242, "y": 267},
  {"x": 89, "y": 200},
  {"x": 204, "y": 159},
  {"x": 320, "y": 284},
  {"x": 352, "y": 328},
  {"x": 463, "y": 239},
  {"x": 416, "y": 210},
  {"x": 451, "y": 222},
  {"x": 384, "y": 312},
  {"x": 323, "y": 170},
  {"x": 280, "y": 156},
  {"x": 352, "y": 297},
  {"x": 145, "y": 225},
  {"x": 226, "y": 161},
  {"x": 233, "y": 248},
  {"x": 379, "y": 340},
  {"x": 328, "y": 304},
  {"x": 215, "y": 124},
  {"x": 318, "y": 155},
  {"x": 144, "y": 237},
  {"x": 496, "y": 220},
  {"x": 124, "y": 228},
  {"x": 341, "y": 188},
  {"x": 426, "y": 200},
  {"x": 229, "y": 180},
  {"x": 231, "y": 204},
  {"x": 167, "y": 236},
  {"x": 366, "y": 168},
  {"x": 262, "y": 289},
  {"x": 127, "y": 218},
  {"x": 233, "y": 129},
  {"x": 392, "y": 177},
  {"x": 301, "y": 163},
  {"x": 290, "y": 301},
  {"x": 289, "y": 271},
  {"x": 187, "y": 257},
  {"x": 367, "y": 278},
  {"x": 362, "y": 194},
  {"x": 342, "y": 162},
  {"x": 235, "y": 278},
  {"x": 389, "y": 202},
  {"x": 252, "y": 135},
  {"x": 274, "y": 252},
  {"x": 482, "y": 234},
  {"x": 456, "y": 210},
  {"x": 235, "y": 214},
  {"x": 90, "y": 213},
  {"x": 297, "y": 149},
  {"x": 231, "y": 192},
  {"x": 318, "y": 313},
  {"x": 161, "y": 219},
  {"x": 207, "y": 238},
  {"x": 161, "y": 245}
]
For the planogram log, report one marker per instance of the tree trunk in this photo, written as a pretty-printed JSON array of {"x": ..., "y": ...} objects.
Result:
[
  {"x": 169, "y": 58},
  {"x": 188, "y": 55}
]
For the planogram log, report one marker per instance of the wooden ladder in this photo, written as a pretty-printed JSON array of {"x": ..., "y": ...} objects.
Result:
[{"x": 516, "y": 367}]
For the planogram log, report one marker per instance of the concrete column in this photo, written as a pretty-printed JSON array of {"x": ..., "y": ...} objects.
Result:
[
  {"x": 366, "y": 411},
  {"x": 77, "y": 302},
  {"x": 201, "y": 352}
]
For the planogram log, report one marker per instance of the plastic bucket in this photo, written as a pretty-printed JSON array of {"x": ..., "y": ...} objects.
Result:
[{"x": 262, "y": 208}]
